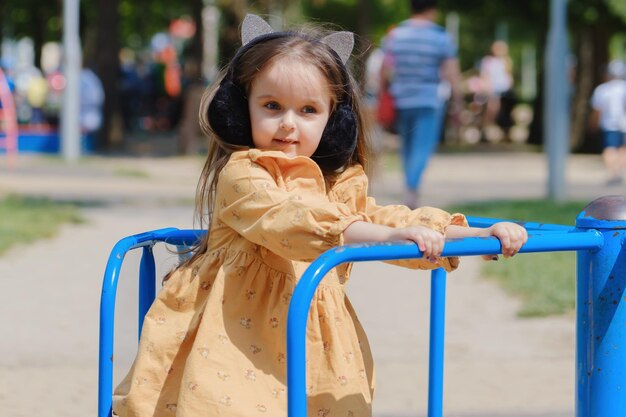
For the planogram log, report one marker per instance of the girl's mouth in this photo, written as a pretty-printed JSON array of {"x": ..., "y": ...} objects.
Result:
[{"x": 286, "y": 141}]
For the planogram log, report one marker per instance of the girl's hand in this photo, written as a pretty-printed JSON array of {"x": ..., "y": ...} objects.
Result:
[
  {"x": 511, "y": 236},
  {"x": 429, "y": 241}
]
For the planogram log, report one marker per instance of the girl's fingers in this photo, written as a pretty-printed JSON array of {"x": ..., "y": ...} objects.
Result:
[
  {"x": 430, "y": 244},
  {"x": 424, "y": 245},
  {"x": 513, "y": 241},
  {"x": 505, "y": 243}
]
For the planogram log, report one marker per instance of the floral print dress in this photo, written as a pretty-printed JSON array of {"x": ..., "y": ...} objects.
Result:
[{"x": 214, "y": 341}]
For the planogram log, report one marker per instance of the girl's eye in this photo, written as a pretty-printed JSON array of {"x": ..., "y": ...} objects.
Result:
[
  {"x": 309, "y": 109},
  {"x": 272, "y": 105}
]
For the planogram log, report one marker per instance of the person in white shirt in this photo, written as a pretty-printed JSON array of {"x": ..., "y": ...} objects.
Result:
[
  {"x": 91, "y": 101},
  {"x": 609, "y": 101}
]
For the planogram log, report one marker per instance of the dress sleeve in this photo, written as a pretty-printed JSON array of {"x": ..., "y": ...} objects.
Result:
[
  {"x": 402, "y": 216},
  {"x": 351, "y": 189},
  {"x": 281, "y": 205}
]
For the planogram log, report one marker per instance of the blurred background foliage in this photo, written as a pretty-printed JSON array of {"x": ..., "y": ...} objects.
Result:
[{"x": 597, "y": 31}]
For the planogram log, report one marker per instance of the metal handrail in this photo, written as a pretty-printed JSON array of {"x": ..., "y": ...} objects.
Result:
[
  {"x": 308, "y": 283},
  {"x": 543, "y": 238},
  {"x": 146, "y": 295}
]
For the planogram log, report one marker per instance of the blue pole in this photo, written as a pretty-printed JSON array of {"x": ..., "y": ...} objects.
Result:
[
  {"x": 601, "y": 313},
  {"x": 147, "y": 286},
  {"x": 107, "y": 304},
  {"x": 437, "y": 331},
  {"x": 107, "y": 316}
]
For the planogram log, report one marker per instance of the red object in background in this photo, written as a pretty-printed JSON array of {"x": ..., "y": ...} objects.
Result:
[
  {"x": 386, "y": 113},
  {"x": 183, "y": 28},
  {"x": 8, "y": 121},
  {"x": 172, "y": 73}
]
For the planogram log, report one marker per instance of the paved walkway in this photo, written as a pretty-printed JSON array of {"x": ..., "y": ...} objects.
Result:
[{"x": 496, "y": 364}]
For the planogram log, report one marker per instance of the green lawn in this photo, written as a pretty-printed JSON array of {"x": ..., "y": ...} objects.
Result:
[
  {"x": 26, "y": 219},
  {"x": 545, "y": 282}
]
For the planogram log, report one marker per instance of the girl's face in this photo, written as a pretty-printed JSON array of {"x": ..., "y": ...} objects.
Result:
[{"x": 290, "y": 103}]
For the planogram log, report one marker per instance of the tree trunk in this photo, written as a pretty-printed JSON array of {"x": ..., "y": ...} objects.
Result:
[
  {"x": 582, "y": 89},
  {"x": 39, "y": 22},
  {"x": 107, "y": 66},
  {"x": 189, "y": 126},
  {"x": 233, "y": 13},
  {"x": 196, "y": 43},
  {"x": 593, "y": 54}
]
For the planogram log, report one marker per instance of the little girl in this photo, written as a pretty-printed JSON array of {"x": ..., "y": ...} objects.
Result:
[{"x": 284, "y": 181}]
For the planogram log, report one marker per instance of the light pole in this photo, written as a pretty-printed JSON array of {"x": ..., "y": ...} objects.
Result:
[
  {"x": 556, "y": 106},
  {"x": 70, "y": 121}
]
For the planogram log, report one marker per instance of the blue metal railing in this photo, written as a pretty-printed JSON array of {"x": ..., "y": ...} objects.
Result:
[
  {"x": 303, "y": 294},
  {"x": 147, "y": 290},
  {"x": 600, "y": 312}
]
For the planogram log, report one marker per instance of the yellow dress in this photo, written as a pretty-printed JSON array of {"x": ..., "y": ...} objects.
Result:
[{"x": 214, "y": 341}]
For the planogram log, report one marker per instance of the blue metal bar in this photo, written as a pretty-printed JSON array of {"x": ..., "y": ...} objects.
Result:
[
  {"x": 531, "y": 226},
  {"x": 305, "y": 289},
  {"x": 437, "y": 332},
  {"x": 107, "y": 302},
  {"x": 147, "y": 284}
]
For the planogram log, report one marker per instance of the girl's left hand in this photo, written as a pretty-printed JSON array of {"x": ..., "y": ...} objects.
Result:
[{"x": 512, "y": 237}]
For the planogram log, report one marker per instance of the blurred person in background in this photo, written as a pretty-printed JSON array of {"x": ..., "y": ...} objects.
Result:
[
  {"x": 130, "y": 90},
  {"x": 91, "y": 101},
  {"x": 418, "y": 55},
  {"x": 496, "y": 73},
  {"x": 371, "y": 90},
  {"x": 609, "y": 103}
]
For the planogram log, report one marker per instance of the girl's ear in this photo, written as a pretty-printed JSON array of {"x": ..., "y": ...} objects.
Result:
[
  {"x": 253, "y": 27},
  {"x": 342, "y": 43}
]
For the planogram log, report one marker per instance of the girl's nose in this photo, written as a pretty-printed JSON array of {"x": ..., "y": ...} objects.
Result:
[{"x": 287, "y": 122}]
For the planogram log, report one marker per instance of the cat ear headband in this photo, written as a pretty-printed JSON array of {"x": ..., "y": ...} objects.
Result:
[
  {"x": 340, "y": 42},
  {"x": 229, "y": 115}
]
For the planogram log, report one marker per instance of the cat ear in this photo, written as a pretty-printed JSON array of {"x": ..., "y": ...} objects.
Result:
[
  {"x": 253, "y": 27},
  {"x": 342, "y": 43}
]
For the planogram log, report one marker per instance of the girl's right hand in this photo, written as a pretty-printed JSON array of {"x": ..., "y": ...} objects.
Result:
[{"x": 430, "y": 242}]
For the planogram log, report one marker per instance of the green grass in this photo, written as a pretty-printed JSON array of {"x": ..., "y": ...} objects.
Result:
[
  {"x": 545, "y": 282},
  {"x": 26, "y": 219}
]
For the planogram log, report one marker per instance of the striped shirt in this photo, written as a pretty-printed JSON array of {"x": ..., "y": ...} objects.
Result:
[{"x": 416, "y": 49}]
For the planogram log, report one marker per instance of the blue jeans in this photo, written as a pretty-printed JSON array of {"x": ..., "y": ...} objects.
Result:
[{"x": 419, "y": 130}]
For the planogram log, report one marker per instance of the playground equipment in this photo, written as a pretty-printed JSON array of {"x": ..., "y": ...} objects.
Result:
[{"x": 600, "y": 306}]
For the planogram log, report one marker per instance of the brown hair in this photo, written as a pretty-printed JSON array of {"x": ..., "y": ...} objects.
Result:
[{"x": 300, "y": 46}]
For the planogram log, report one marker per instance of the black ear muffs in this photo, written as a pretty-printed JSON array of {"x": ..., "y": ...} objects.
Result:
[
  {"x": 229, "y": 117},
  {"x": 338, "y": 139}
]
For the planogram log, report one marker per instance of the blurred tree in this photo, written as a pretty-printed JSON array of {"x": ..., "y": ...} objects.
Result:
[
  {"x": 40, "y": 20},
  {"x": 106, "y": 65},
  {"x": 592, "y": 25},
  {"x": 369, "y": 19},
  {"x": 232, "y": 14}
]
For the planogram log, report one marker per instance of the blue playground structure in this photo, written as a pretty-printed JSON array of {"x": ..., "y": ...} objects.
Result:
[{"x": 598, "y": 239}]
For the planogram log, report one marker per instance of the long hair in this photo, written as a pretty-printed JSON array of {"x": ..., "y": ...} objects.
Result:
[{"x": 303, "y": 48}]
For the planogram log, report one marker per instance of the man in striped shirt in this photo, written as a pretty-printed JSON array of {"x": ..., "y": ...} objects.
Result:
[{"x": 419, "y": 54}]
